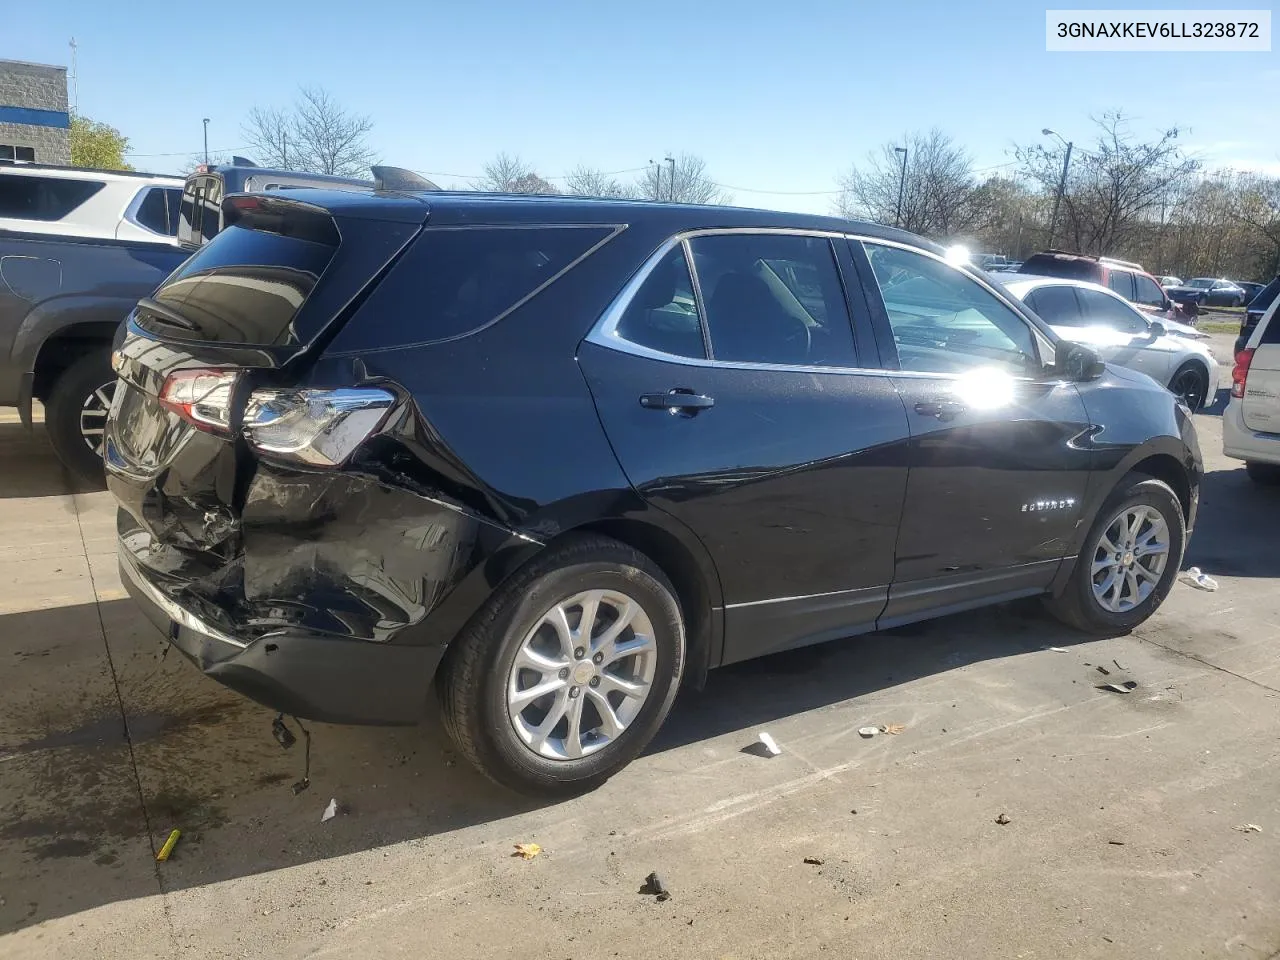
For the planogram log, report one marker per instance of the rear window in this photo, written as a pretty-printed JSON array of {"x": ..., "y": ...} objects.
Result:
[
  {"x": 1047, "y": 265},
  {"x": 200, "y": 213},
  {"x": 1265, "y": 296},
  {"x": 244, "y": 286},
  {"x": 1121, "y": 282},
  {"x": 453, "y": 281},
  {"x": 43, "y": 198}
]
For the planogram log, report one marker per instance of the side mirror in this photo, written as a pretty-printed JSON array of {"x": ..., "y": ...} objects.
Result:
[
  {"x": 1078, "y": 363},
  {"x": 1158, "y": 329}
]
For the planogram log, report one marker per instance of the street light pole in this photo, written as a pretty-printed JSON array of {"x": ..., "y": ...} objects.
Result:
[
  {"x": 1062, "y": 183},
  {"x": 206, "y": 141},
  {"x": 902, "y": 183},
  {"x": 672, "y": 177}
]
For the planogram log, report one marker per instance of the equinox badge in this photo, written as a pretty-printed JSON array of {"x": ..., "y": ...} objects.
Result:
[{"x": 1039, "y": 506}]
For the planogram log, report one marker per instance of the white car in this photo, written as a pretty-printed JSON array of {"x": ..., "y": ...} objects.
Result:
[
  {"x": 1251, "y": 422},
  {"x": 98, "y": 204},
  {"x": 1170, "y": 353}
]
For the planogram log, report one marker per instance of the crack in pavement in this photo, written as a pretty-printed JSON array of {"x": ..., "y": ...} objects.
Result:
[
  {"x": 1208, "y": 663},
  {"x": 128, "y": 736}
]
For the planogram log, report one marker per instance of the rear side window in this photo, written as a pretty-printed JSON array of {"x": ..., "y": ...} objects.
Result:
[
  {"x": 1266, "y": 295},
  {"x": 43, "y": 198},
  {"x": 1056, "y": 305},
  {"x": 663, "y": 314},
  {"x": 453, "y": 281},
  {"x": 244, "y": 286},
  {"x": 159, "y": 210},
  {"x": 775, "y": 299},
  {"x": 1121, "y": 283},
  {"x": 1048, "y": 265}
]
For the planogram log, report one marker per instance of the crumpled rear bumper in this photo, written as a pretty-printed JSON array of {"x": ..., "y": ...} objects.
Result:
[{"x": 311, "y": 676}]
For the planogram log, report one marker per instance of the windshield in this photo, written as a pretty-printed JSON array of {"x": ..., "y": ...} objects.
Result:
[{"x": 1201, "y": 283}]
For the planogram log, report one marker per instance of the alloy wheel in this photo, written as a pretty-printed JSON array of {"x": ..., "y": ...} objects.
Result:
[
  {"x": 582, "y": 675},
  {"x": 1129, "y": 558},
  {"x": 93, "y": 415},
  {"x": 1189, "y": 388}
]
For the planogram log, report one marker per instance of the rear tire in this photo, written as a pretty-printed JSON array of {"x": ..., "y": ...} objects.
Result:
[
  {"x": 1190, "y": 383},
  {"x": 1079, "y": 604},
  {"x": 481, "y": 676},
  {"x": 1267, "y": 474},
  {"x": 66, "y": 414}
]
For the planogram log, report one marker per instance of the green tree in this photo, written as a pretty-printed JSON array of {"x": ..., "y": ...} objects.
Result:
[{"x": 95, "y": 144}]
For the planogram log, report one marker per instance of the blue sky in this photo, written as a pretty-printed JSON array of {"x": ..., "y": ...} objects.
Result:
[{"x": 774, "y": 96}]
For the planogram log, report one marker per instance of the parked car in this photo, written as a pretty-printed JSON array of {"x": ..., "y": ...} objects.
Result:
[
  {"x": 1170, "y": 281},
  {"x": 81, "y": 202},
  {"x": 61, "y": 300},
  {"x": 1128, "y": 280},
  {"x": 208, "y": 184},
  {"x": 1250, "y": 289},
  {"x": 1208, "y": 292},
  {"x": 1170, "y": 353},
  {"x": 1254, "y": 311},
  {"x": 564, "y": 455},
  {"x": 1251, "y": 422}
]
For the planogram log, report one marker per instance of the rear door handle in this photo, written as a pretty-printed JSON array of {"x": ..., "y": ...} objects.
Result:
[
  {"x": 940, "y": 409},
  {"x": 680, "y": 400}
]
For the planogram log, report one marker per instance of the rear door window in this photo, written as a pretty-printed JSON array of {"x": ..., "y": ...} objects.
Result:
[
  {"x": 244, "y": 286},
  {"x": 1147, "y": 293},
  {"x": 772, "y": 298},
  {"x": 663, "y": 313},
  {"x": 43, "y": 198},
  {"x": 1121, "y": 282},
  {"x": 159, "y": 210},
  {"x": 1056, "y": 305},
  {"x": 453, "y": 281}
]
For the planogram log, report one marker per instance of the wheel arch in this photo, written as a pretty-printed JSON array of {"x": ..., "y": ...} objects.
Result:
[{"x": 65, "y": 346}]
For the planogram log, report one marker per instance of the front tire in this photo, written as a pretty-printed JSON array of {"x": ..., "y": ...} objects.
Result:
[
  {"x": 545, "y": 705},
  {"x": 1130, "y": 559},
  {"x": 75, "y": 415}
]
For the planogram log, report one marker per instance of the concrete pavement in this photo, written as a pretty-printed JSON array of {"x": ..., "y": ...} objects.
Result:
[{"x": 1122, "y": 810}]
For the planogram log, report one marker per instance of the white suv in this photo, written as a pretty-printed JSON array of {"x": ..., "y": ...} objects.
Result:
[
  {"x": 1251, "y": 423},
  {"x": 78, "y": 202}
]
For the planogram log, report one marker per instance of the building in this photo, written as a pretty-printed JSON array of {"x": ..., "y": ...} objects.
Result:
[{"x": 35, "y": 126}]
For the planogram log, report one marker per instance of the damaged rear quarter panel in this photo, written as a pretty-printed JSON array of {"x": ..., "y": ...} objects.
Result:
[{"x": 351, "y": 554}]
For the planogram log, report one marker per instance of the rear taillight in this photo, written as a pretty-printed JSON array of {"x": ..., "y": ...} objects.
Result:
[
  {"x": 200, "y": 397},
  {"x": 321, "y": 428},
  {"x": 1240, "y": 372}
]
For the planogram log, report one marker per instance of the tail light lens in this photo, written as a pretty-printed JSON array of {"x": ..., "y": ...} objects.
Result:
[
  {"x": 321, "y": 428},
  {"x": 1240, "y": 372},
  {"x": 200, "y": 397}
]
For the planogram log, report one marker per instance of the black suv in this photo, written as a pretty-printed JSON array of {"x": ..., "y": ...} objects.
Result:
[{"x": 555, "y": 457}]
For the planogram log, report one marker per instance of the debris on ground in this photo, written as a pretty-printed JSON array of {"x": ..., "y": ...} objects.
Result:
[
  {"x": 1002, "y": 819},
  {"x": 1116, "y": 843},
  {"x": 527, "y": 851},
  {"x": 1122, "y": 687},
  {"x": 770, "y": 744},
  {"x": 1248, "y": 828},
  {"x": 893, "y": 728},
  {"x": 868, "y": 731},
  {"x": 1103, "y": 670},
  {"x": 1195, "y": 577},
  {"x": 1118, "y": 667},
  {"x": 814, "y": 861},
  {"x": 163, "y": 854},
  {"x": 330, "y": 811},
  {"x": 1057, "y": 649},
  {"x": 654, "y": 886}
]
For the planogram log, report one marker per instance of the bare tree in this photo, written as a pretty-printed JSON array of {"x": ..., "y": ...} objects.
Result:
[
  {"x": 315, "y": 134},
  {"x": 1115, "y": 185},
  {"x": 503, "y": 172},
  {"x": 585, "y": 181},
  {"x": 683, "y": 181},
  {"x": 937, "y": 186},
  {"x": 1259, "y": 208}
]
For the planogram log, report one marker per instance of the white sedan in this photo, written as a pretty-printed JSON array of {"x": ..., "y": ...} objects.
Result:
[{"x": 1168, "y": 352}]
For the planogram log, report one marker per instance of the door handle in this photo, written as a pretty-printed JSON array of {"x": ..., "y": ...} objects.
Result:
[
  {"x": 940, "y": 409},
  {"x": 681, "y": 401}
]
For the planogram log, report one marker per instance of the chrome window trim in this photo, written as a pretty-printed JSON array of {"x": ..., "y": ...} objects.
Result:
[{"x": 604, "y": 333}]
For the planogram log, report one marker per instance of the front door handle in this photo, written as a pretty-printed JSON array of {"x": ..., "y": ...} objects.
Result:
[
  {"x": 681, "y": 401},
  {"x": 940, "y": 409}
]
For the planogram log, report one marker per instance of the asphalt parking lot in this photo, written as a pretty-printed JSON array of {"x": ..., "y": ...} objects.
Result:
[{"x": 1128, "y": 816}]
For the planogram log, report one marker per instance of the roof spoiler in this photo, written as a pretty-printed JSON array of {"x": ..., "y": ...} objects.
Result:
[
  {"x": 401, "y": 180},
  {"x": 242, "y": 162}
]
